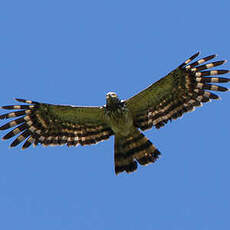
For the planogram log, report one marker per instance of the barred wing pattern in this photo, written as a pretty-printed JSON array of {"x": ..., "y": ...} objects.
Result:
[
  {"x": 180, "y": 91},
  {"x": 55, "y": 124}
]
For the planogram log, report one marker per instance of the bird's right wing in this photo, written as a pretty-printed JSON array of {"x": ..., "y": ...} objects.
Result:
[{"x": 55, "y": 124}]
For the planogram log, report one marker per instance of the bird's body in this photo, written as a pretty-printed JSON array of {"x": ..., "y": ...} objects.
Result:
[
  {"x": 118, "y": 115},
  {"x": 179, "y": 92},
  {"x": 130, "y": 144}
]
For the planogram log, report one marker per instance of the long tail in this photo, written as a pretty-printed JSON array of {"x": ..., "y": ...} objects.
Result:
[{"x": 132, "y": 149}]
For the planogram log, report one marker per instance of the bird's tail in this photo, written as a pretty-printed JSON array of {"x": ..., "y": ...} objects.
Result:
[{"x": 132, "y": 149}]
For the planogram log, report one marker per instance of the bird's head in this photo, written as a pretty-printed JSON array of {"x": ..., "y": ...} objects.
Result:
[
  {"x": 111, "y": 95},
  {"x": 112, "y": 100}
]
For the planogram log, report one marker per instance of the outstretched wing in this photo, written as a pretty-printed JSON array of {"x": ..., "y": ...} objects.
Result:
[
  {"x": 179, "y": 92},
  {"x": 55, "y": 124}
]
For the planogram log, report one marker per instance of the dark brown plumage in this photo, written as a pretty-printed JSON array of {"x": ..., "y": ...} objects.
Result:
[{"x": 179, "y": 92}]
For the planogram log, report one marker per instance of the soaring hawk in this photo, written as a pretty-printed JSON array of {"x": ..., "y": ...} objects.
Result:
[{"x": 179, "y": 92}]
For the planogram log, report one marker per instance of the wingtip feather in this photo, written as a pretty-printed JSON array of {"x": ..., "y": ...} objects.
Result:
[
  {"x": 21, "y": 100},
  {"x": 214, "y": 55},
  {"x": 195, "y": 55},
  {"x": 18, "y": 99}
]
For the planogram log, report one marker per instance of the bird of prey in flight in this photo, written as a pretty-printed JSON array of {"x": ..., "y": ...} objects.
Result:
[{"x": 183, "y": 89}]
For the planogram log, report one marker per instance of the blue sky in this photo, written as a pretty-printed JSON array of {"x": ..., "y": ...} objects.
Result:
[{"x": 74, "y": 52}]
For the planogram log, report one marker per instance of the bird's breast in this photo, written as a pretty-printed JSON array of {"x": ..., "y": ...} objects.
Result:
[{"x": 120, "y": 121}]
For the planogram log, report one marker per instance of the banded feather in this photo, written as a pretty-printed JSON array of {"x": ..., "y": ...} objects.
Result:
[
  {"x": 199, "y": 62},
  {"x": 38, "y": 124},
  {"x": 188, "y": 92},
  {"x": 132, "y": 149}
]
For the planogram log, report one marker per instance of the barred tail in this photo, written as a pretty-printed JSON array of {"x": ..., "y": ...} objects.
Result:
[{"x": 132, "y": 149}]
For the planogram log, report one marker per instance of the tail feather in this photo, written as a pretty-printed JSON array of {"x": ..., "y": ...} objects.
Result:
[{"x": 132, "y": 149}]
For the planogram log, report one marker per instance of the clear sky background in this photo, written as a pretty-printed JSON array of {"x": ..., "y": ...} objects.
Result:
[{"x": 74, "y": 52}]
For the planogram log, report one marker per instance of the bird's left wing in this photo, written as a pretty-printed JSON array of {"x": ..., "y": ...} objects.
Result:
[
  {"x": 179, "y": 92},
  {"x": 55, "y": 124}
]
